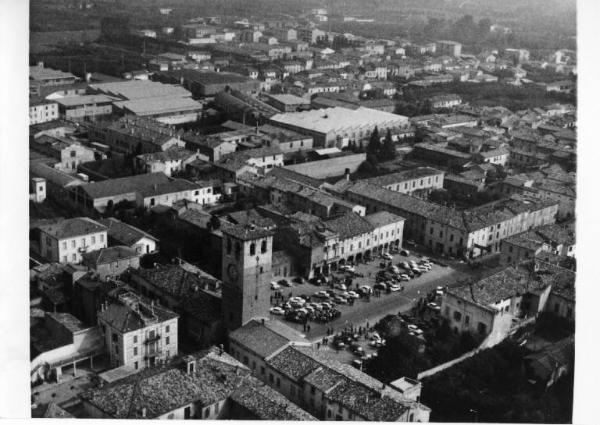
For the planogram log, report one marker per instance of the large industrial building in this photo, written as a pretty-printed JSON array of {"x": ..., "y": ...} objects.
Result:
[{"x": 337, "y": 127}]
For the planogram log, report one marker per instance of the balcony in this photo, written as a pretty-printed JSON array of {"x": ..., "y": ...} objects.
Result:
[{"x": 150, "y": 340}]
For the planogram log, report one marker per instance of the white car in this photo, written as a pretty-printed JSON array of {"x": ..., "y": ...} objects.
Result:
[
  {"x": 321, "y": 294},
  {"x": 277, "y": 310},
  {"x": 353, "y": 294},
  {"x": 394, "y": 287},
  {"x": 387, "y": 256},
  {"x": 405, "y": 277},
  {"x": 412, "y": 327},
  {"x": 395, "y": 269},
  {"x": 439, "y": 291},
  {"x": 434, "y": 306},
  {"x": 347, "y": 268},
  {"x": 275, "y": 285},
  {"x": 340, "y": 286},
  {"x": 418, "y": 331},
  {"x": 366, "y": 289}
]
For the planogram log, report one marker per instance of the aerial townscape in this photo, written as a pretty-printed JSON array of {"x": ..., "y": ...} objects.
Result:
[{"x": 302, "y": 210}]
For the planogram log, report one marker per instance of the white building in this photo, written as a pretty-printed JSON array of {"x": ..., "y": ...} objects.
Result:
[
  {"x": 138, "y": 334},
  {"x": 66, "y": 240}
]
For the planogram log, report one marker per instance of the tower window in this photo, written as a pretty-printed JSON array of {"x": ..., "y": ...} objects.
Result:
[
  {"x": 228, "y": 246},
  {"x": 238, "y": 250},
  {"x": 263, "y": 247},
  {"x": 252, "y": 248}
]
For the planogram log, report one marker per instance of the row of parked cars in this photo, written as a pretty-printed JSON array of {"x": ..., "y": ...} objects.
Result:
[
  {"x": 286, "y": 283},
  {"x": 300, "y": 309}
]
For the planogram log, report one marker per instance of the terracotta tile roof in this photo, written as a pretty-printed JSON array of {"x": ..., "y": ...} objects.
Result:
[
  {"x": 261, "y": 339},
  {"x": 265, "y": 403},
  {"x": 110, "y": 255},
  {"x": 72, "y": 227},
  {"x": 349, "y": 225},
  {"x": 126, "y": 318},
  {"x": 383, "y": 218},
  {"x": 124, "y": 233},
  {"x": 402, "y": 176},
  {"x": 355, "y": 390},
  {"x": 164, "y": 389},
  {"x": 245, "y": 232}
]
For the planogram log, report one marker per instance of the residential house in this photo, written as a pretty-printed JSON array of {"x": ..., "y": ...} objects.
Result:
[
  {"x": 172, "y": 160},
  {"x": 113, "y": 261},
  {"x": 120, "y": 233},
  {"x": 138, "y": 334},
  {"x": 208, "y": 385},
  {"x": 67, "y": 240}
]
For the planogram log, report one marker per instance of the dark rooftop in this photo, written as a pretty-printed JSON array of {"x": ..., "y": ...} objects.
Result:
[{"x": 73, "y": 227}]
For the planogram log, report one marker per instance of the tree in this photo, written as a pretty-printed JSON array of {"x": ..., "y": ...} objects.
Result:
[
  {"x": 374, "y": 147},
  {"x": 388, "y": 151}
]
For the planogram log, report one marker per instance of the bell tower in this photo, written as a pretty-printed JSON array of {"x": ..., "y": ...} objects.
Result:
[{"x": 246, "y": 273}]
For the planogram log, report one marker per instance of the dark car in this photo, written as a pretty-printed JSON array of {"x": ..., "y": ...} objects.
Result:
[
  {"x": 299, "y": 280},
  {"x": 284, "y": 282},
  {"x": 315, "y": 281}
]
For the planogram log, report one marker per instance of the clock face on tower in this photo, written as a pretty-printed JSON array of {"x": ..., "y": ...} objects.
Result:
[{"x": 232, "y": 272}]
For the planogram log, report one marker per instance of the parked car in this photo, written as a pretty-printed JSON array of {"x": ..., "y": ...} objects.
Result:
[
  {"x": 394, "y": 287},
  {"x": 321, "y": 294},
  {"x": 298, "y": 279},
  {"x": 439, "y": 291},
  {"x": 284, "y": 282},
  {"x": 365, "y": 289},
  {"x": 434, "y": 306},
  {"x": 380, "y": 285},
  {"x": 424, "y": 269},
  {"x": 347, "y": 268},
  {"x": 376, "y": 343},
  {"x": 357, "y": 364},
  {"x": 277, "y": 310},
  {"x": 358, "y": 351},
  {"x": 339, "y": 345},
  {"x": 404, "y": 277},
  {"x": 382, "y": 265},
  {"x": 395, "y": 269},
  {"x": 353, "y": 294},
  {"x": 340, "y": 286},
  {"x": 275, "y": 285},
  {"x": 405, "y": 252},
  {"x": 340, "y": 300},
  {"x": 387, "y": 256},
  {"x": 404, "y": 265},
  {"x": 416, "y": 272}
]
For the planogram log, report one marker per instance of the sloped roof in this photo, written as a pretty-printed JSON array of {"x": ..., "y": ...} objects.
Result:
[
  {"x": 164, "y": 389},
  {"x": 124, "y": 233},
  {"x": 110, "y": 255},
  {"x": 72, "y": 227}
]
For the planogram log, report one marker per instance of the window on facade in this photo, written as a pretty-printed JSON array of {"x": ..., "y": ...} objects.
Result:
[
  {"x": 64, "y": 258},
  {"x": 278, "y": 382},
  {"x": 271, "y": 378},
  {"x": 73, "y": 243},
  {"x": 467, "y": 319},
  {"x": 74, "y": 257},
  {"x": 481, "y": 328},
  {"x": 263, "y": 247},
  {"x": 64, "y": 245},
  {"x": 135, "y": 365},
  {"x": 262, "y": 370},
  {"x": 73, "y": 153},
  {"x": 457, "y": 316},
  {"x": 135, "y": 351},
  {"x": 206, "y": 412},
  {"x": 312, "y": 389},
  {"x": 414, "y": 184},
  {"x": 441, "y": 233},
  {"x": 167, "y": 340},
  {"x": 431, "y": 231},
  {"x": 252, "y": 248}
]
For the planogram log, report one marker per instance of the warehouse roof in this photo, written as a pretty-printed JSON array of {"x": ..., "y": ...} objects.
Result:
[
  {"x": 338, "y": 118},
  {"x": 85, "y": 100},
  {"x": 160, "y": 105},
  {"x": 139, "y": 89}
]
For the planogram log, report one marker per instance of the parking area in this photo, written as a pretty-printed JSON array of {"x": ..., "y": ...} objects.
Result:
[{"x": 365, "y": 311}]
